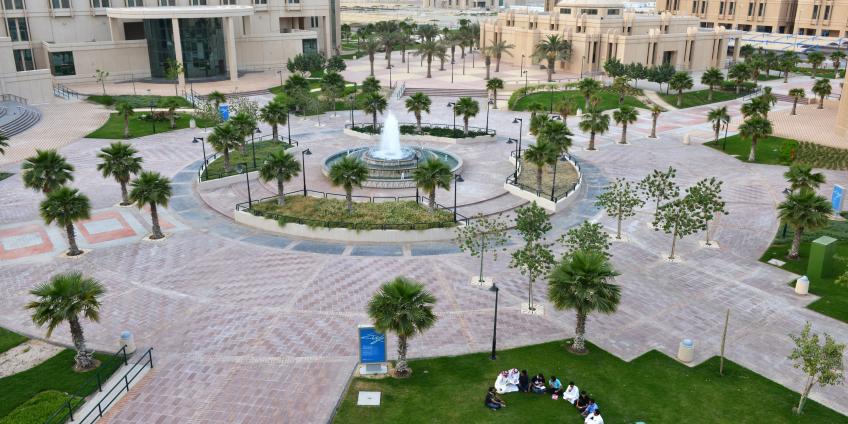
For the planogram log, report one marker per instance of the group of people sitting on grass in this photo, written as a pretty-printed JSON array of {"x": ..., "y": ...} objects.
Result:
[{"x": 515, "y": 381}]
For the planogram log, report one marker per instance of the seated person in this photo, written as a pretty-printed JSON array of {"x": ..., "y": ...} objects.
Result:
[
  {"x": 513, "y": 377},
  {"x": 523, "y": 382},
  {"x": 554, "y": 386},
  {"x": 582, "y": 402},
  {"x": 594, "y": 418},
  {"x": 493, "y": 401},
  {"x": 590, "y": 410},
  {"x": 538, "y": 384},
  {"x": 503, "y": 385},
  {"x": 571, "y": 393}
]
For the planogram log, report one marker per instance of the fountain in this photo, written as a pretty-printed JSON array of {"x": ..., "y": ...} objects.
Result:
[{"x": 390, "y": 164}]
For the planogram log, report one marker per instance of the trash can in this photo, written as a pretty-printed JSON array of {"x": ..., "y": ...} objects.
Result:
[
  {"x": 127, "y": 340},
  {"x": 802, "y": 285},
  {"x": 686, "y": 351}
]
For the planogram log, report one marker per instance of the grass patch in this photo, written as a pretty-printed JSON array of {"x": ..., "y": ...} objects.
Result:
[
  {"x": 652, "y": 388},
  {"x": 700, "y": 97},
  {"x": 783, "y": 151},
  {"x": 332, "y": 213},
  {"x": 834, "y": 298},
  {"x": 216, "y": 170},
  {"x": 820, "y": 73},
  {"x": 138, "y": 101},
  {"x": 609, "y": 100},
  {"x": 37, "y": 409},
  {"x": 55, "y": 373},
  {"x": 566, "y": 177},
  {"x": 9, "y": 339},
  {"x": 768, "y": 77},
  {"x": 139, "y": 127},
  {"x": 4, "y": 175}
]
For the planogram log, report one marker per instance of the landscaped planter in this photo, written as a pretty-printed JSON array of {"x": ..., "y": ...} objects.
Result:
[
  {"x": 545, "y": 201},
  {"x": 407, "y": 138}
]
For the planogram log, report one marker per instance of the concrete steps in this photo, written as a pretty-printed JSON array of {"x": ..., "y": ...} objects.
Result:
[
  {"x": 18, "y": 118},
  {"x": 790, "y": 99}
]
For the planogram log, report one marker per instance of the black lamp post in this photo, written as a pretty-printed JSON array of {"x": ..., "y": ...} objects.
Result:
[
  {"x": 494, "y": 356},
  {"x": 724, "y": 142},
  {"x": 152, "y": 118},
  {"x": 457, "y": 178},
  {"x": 242, "y": 167},
  {"x": 520, "y": 123},
  {"x": 515, "y": 172},
  {"x": 288, "y": 124},
  {"x": 253, "y": 144},
  {"x": 390, "y": 75},
  {"x": 417, "y": 158},
  {"x": 303, "y": 155},
  {"x": 526, "y": 79},
  {"x": 280, "y": 73},
  {"x": 553, "y": 185},
  {"x": 453, "y": 111},
  {"x": 786, "y": 192},
  {"x": 203, "y": 146},
  {"x": 352, "y": 98},
  {"x": 452, "y": 61},
  {"x": 489, "y": 103},
  {"x": 522, "y": 64}
]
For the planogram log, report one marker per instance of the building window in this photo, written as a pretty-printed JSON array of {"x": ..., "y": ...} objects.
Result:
[
  {"x": 589, "y": 11},
  {"x": 23, "y": 60},
  {"x": 764, "y": 28},
  {"x": 313, "y": 22},
  {"x": 167, "y": 2},
  {"x": 18, "y": 29},
  {"x": 99, "y": 3},
  {"x": 229, "y": 2},
  {"x": 676, "y": 4},
  {"x": 62, "y": 63},
  {"x": 826, "y": 13},
  {"x": 721, "y": 8},
  {"x": 13, "y": 4},
  {"x": 135, "y": 3},
  {"x": 750, "y": 9},
  {"x": 732, "y": 8},
  {"x": 60, "y": 4},
  {"x": 694, "y": 7},
  {"x": 310, "y": 45},
  {"x": 815, "y": 11},
  {"x": 762, "y": 9},
  {"x": 613, "y": 12},
  {"x": 703, "y": 7},
  {"x": 565, "y": 11},
  {"x": 198, "y": 2},
  {"x": 294, "y": 1},
  {"x": 260, "y": 1}
]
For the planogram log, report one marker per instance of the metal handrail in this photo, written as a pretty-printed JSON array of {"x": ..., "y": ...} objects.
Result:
[
  {"x": 123, "y": 383},
  {"x": 13, "y": 98},
  {"x": 490, "y": 131},
  {"x": 203, "y": 175}
]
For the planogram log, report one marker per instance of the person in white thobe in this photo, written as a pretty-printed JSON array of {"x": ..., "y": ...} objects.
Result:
[
  {"x": 594, "y": 418},
  {"x": 571, "y": 393}
]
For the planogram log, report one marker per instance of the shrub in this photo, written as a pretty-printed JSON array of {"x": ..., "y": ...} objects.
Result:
[
  {"x": 729, "y": 85},
  {"x": 36, "y": 410},
  {"x": 447, "y": 132},
  {"x": 157, "y": 116}
]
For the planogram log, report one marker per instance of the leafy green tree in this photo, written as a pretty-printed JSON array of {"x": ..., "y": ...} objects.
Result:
[
  {"x": 756, "y": 107},
  {"x": 494, "y": 85},
  {"x": 64, "y": 206},
  {"x": 614, "y": 68},
  {"x": 224, "y": 137},
  {"x": 815, "y": 59},
  {"x": 624, "y": 116},
  {"x": 637, "y": 71},
  {"x": 332, "y": 87},
  {"x": 124, "y": 110},
  {"x": 537, "y": 118},
  {"x": 770, "y": 61},
  {"x": 662, "y": 74},
  {"x": 594, "y": 122},
  {"x": 541, "y": 154},
  {"x": 821, "y": 362},
  {"x": 274, "y": 113},
  {"x": 405, "y": 308},
  {"x": 306, "y": 63},
  {"x": 557, "y": 134},
  {"x": 217, "y": 98},
  {"x": 46, "y": 171},
  {"x": 480, "y": 235},
  {"x": 803, "y": 211},
  {"x": 755, "y": 128},
  {"x": 796, "y": 93},
  {"x": 171, "y": 103},
  {"x": 678, "y": 218},
  {"x": 417, "y": 103},
  {"x": 68, "y": 297},
  {"x": 822, "y": 89},
  {"x": 374, "y": 103},
  {"x": 583, "y": 282},
  {"x": 755, "y": 64},
  {"x": 706, "y": 195},
  {"x": 713, "y": 78},
  {"x": 100, "y": 76},
  {"x": 497, "y": 50},
  {"x": 659, "y": 186},
  {"x": 620, "y": 199},
  {"x": 173, "y": 70},
  {"x": 718, "y": 117},
  {"x": 679, "y": 82},
  {"x": 336, "y": 64},
  {"x": 801, "y": 178},
  {"x": 769, "y": 99},
  {"x": 739, "y": 73},
  {"x": 348, "y": 172},
  {"x": 151, "y": 189},
  {"x": 588, "y": 87},
  {"x": 656, "y": 110},
  {"x": 245, "y": 124},
  {"x": 588, "y": 237},
  {"x": 551, "y": 49},
  {"x": 620, "y": 87},
  {"x": 535, "y": 258},
  {"x": 296, "y": 86},
  {"x": 467, "y": 108},
  {"x": 280, "y": 166},
  {"x": 119, "y": 161},
  {"x": 432, "y": 174},
  {"x": 746, "y": 51}
]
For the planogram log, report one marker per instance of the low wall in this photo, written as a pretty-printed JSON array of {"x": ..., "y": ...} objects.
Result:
[
  {"x": 344, "y": 234},
  {"x": 225, "y": 181},
  {"x": 545, "y": 202},
  {"x": 408, "y": 138}
]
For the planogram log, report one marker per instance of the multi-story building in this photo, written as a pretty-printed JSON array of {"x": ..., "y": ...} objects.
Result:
[
  {"x": 827, "y": 18},
  {"x": 603, "y": 29},
  {"x": 461, "y": 4}
]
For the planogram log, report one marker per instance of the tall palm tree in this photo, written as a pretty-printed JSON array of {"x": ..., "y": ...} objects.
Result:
[
  {"x": 417, "y": 103},
  {"x": 822, "y": 89},
  {"x": 374, "y": 103},
  {"x": 680, "y": 81},
  {"x": 432, "y": 174},
  {"x": 332, "y": 87},
  {"x": 428, "y": 32},
  {"x": 566, "y": 108},
  {"x": 124, "y": 110},
  {"x": 153, "y": 189},
  {"x": 541, "y": 154},
  {"x": 583, "y": 282},
  {"x": 46, "y": 171},
  {"x": 225, "y": 137},
  {"x": 494, "y": 85},
  {"x": 757, "y": 106},
  {"x": 624, "y": 116},
  {"x": 64, "y": 206},
  {"x": 801, "y": 178},
  {"x": 405, "y": 308},
  {"x": 769, "y": 99},
  {"x": 588, "y": 87},
  {"x": 803, "y": 211},
  {"x": 815, "y": 59},
  {"x": 712, "y": 77},
  {"x": 388, "y": 40},
  {"x": 557, "y": 134},
  {"x": 274, "y": 114},
  {"x": 68, "y": 297},
  {"x": 718, "y": 117},
  {"x": 594, "y": 122},
  {"x": 442, "y": 54},
  {"x": 755, "y": 128},
  {"x": 467, "y": 108},
  {"x": 755, "y": 64},
  {"x": 171, "y": 103},
  {"x": 656, "y": 110},
  {"x": 427, "y": 49},
  {"x": 739, "y": 73},
  {"x": 245, "y": 124},
  {"x": 836, "y": 57},
  {"x": 796, "y": 93},
  {"x": 121, "y": 163},
  {"x": 348, "y": 172},
  {"x": 497, "y": 50},
  {"x": 552, "y": 48},
  {"x": 217, "y": 98},
  {"x": 787, "y": 63},
  {"x": 370, "y": 45},
  {"x": 281, "y": 166}
]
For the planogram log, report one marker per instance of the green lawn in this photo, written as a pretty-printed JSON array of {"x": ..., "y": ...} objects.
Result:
[
  {"x": 820, "y": 73},
  {"x": 114, "y": 127},
  {"x": 609, "y": 100},
  {"x": 783, "y": 151},
  {"x": 263, "y": 149},
  {"x": 700, "y": 97},
  {"x": 9, "y": 339},
  {"x": 834, "y": 298},
  {"x": 652, "y": 388},
  {"x": 37, "y": 409},
  {"x": 764, "y": 77},
  {"x": 4, "y": 175},
  {"x": 137, "y": 101},
  {"x": 55, "y": 373}
]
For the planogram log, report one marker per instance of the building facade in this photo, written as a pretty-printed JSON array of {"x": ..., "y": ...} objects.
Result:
[
  {"x": 461, "y": 4},
  {"x": 603, "y": 29}
]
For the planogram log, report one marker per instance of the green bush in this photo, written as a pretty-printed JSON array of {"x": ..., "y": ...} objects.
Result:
[
  {"x": 38, "y": 409},
  {"x": 433, "y": 131},
  {"x": 138, "y": 101},
  {"x": 729, "y": 85}
]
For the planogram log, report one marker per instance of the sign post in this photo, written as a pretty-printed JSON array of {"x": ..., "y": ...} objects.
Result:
[{"x": 372, "y": 351}]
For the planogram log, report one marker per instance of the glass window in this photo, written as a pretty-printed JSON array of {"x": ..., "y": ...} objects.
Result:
[
  {"x": 313, "y": 22},
  {"x": 704, "y": 7},
  {"x": 721, "y": 8},
  {"x": 613, "y": 11},
  {"x": 694, "y": 6},
  {"x": 135, "y": 3},
  {"x": 762, "y": 9},
  {"x": 815, "y": 11},
  {"x": 18, "y": 29},
  {"x": 827, "y": 12},
  {"x": 750, "y": 9},
  {"x": 589, "y": 11},
  {"x": 23, "y": 60},
  {"x": 198, "y": 2},
  {"x": 99, "y": 3},
  {"x": 62, "y": 63},
  {"x": 565, "y": 11},
  {"x": 13, "y": 4},
  {"x": 61, "y": 4},
  {"x": 310, "y": 45},
  {"x": 260, "y": 1},
  {"x": 732, "y": 8},
  {"x": 294, "y": 1},
  {"x": 228, "y": 2},
  {"x": 167, "y": 2}
]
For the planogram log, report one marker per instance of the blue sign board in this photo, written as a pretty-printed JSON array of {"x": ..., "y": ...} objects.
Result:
[
  {"x": 836, "y": 199},
  {"x": 372, "y": 345},
  {"x": 224, "y": 111}
]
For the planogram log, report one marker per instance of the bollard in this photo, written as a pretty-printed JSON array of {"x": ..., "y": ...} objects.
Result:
[
  {"x": 802, "y": 285},
  {"x": 127, "y": 340},
  {"x": 686, "y": 351}
]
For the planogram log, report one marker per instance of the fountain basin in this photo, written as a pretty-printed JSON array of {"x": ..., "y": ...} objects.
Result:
[{"x": 389, "y": 172}]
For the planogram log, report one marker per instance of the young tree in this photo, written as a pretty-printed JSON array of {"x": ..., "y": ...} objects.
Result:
[
  {"x": 718, "y": 117},
  {"x": 535, "y": 258},
  {"x": 796, "y": 93},
  {"x": 336, "y": 64},
  {"x": 497, "y": 49},
  {"x": 282, "y": 167},
  {"x": 624, "y": 116},
  {"x": 551, "y": 49},
  {"x": 594, "y": 122},
  {"x": 679, "y": 218},
  {"x": 100, "y": 76},
  {"x": 46, "y": 171},
  {"x": 620, "y": 87},
  {"x": 68, "y": 297},
  {"x": 348, "y": 172},
  {"x": 370, "y": 46},
  {"x": 588, "y": 237},
  {"x": 588, "y": 87},
  {"x": 739, "y": 73},
  {"x": 787, "y": 63},
  {"x": 803, "y": 211},
  {"x": 427, "y": 49},
  {"x": 245, "y": 124},
  {"x": 706, "y": 195},
  {"x": 557, "y": 134},
  {"x": 659, "y": 186},
  {"x": 656, "y": 110},
  {"x": 417, "y": 103},
  {"x": 755, "y": 128},
  {"x": 467, "y": 108},
  {"x": 225, "y": 137},
  {"x": 822, "y": 89},
  {"x": 370, "y": 85},
  {"x": 815, "y": 59},
  {"x": 64, "y": 206},
  {"x": 171, "y": 103},
  {"x": 432, "y": 174},
  {"x": 679, "y": 82},
  {"x": 801, "y": 178},
  {"x": 637, "y": 71},
  {"x": 173, "y": 70},
  {"x": 746, "y": 51},
  {"x": 620, "y": 200},
  {"x": 151, "y": 189},
  {"x": 756, "y": 107},
  {"x": 124, "y": 110},
  {"x": 217, "y": 98},
  {"x": 566, "y": 108},
  {"x": 662, "y": 74},
  {"x": 821, "y": 362},
  {"x": 332, "y": 87},
  {"x": 374, "y": 103},
  {"x": 614, "y": 68},
  {"x": 712, "y": 77},
  {"x": 583, "y": 282},
  {"x": 482, "y": 234},
  {"x": 494, "y": 85},
  {"x": 120, "y": 162}
]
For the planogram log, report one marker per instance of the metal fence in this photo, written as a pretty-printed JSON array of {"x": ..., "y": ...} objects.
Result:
[
  {"x": 554, "y": 196},
  {"x": 13, "y": 98},
  {"x": 376, "y": 130},
  {"x": 203, "y": 173}
]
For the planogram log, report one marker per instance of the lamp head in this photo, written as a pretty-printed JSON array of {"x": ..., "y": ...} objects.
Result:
[
  {"x": 458, "y": 178},
  {"x": 517, "y": 120},
  {"x": 510, "y": 140},
  {"x": 451, "y": 104},
  {"x": 494, "y": 288},
  {"x": 196, "y": 139},
  {"x": 307, "y": 152},
  {"x": 491, "y": 101},
  {"x": 241, "y": 168}
]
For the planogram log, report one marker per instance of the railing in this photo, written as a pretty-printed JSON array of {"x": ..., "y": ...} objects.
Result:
[
  {"x": 13, "y": 98},
  {"x": 204, "y": 175},
  {"x": 399, "y": 89},
  {"x": 753, "y": 93},
  {"x": 65, "y": 92},
  {"x": 458, "y": 127},
  {"x": 553, "y": 196}
]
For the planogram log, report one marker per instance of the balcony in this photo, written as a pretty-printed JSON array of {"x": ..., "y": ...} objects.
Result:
[{"x": 293, "y": 5}]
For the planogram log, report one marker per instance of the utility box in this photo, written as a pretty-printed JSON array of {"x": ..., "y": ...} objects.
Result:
[{"x": 821, "y": 258}]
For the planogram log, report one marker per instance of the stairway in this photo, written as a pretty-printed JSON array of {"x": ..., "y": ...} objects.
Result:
[
  {"x": 447, "y": 92},
  {"x": 17, "y": 118},
  {"x": 790, "y": 99}
]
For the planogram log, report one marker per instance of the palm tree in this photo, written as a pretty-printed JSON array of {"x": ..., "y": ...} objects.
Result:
[
  {"x": 428, "y": 32},
  {"x": 171, "y": 103},
  {"x": 274, "y": 114},
  {"x": 442, "y": 54},
  {"x": 769, "y": 99},
  {"x": 757, "y": 106},
  {"x": 541, "y": 154},
  {"x": 557, "y": 134},
  {"x": 467, "y": 108},
  {"x": 388, "y": 40},
  {"x": 588, "y": 87},
  {"x": 121, "y": 163},
  {"x": 836, "y": 57},
  {"x": 822, "y": 89},
  {"x": 417, "y": 103},
  {"x": 432, "y": 174},
  {"x": 281, "y": 166},
  {"x": 370, "y": 45},
  {"x": 374, "y": 103},
  {"x": 801, "y": 178},
  {"x": 64, "y": 206},
  {"x": 717, "y": 117},
  {"x": 712, "y": 77},
  {"x": 582, "y": 282},
  {"x": 497, "y": 49},
  {"x": 552, "y": 48},
  {"x": 566, "y": 108},
  {"x": 739, "y": 73},
  {"x": 153, "y": 189},
  {"x": 755, "y": 128},
  {"x": 217, "y": 98},
  {"x": 487, "y": 60},
  {"x": 224, "y": 137},
  {"x": 787, "y": 63},
  {"x": 46, "y": 171},
  {"x": 68, "y": 297},
  {"x": 124, "y": 110},
  {"x": 594, "y": 122},
  {"x": 428, "y": 49},
  {"x": 624, "y": 116},
  {"x": 405, "y": 308},
  {"x": 815, "y": 59},
  {"x": 332, "y": 86},
  {"x": 494, "y": 85},
  {"x": 656, "y": 110},
  {"x": 348, "y": 172},
  {"x": 755, "y": 64},
  {"x": 245, "y": 124},
  {"x": 680, "y": 81},
  {"x": 804, "y": 210},
  {"x": 796, "y": 93},
  {"x": 4, "y": 143}
]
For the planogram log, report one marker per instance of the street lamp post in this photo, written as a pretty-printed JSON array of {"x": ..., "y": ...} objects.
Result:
[
  {"x": 582, "y": 59},
  {"x": 522, "y": 64},
  {"x": 786, "y": 192},
  {"x": 526, "y": 79},
  {"x": 553, "y": 184},
  {"x": 280, "y": 73},
  {"x": 489, "y": 103},
  {"x": 253, "y": 144},
  {"x": 152, "y": 118},
  {"x": 352, "y": 98},
  {"x": 452, "y": 61},
  {"x": 453, "y": 112},
  {"x": 457, "y": 178},
  {"x": 303, "y": 156},
  {"x": 390, "y": 76},
  {"x": 288, "y": 124},
  {"x": 724, "y": 142},
  {"x": 243, "y": 167},
  {"x": 515, "y": 171},
  {"x": 203, "y": 146},
  {"x": 495, "y": 289},
  {"x": 520, "y": 123}
]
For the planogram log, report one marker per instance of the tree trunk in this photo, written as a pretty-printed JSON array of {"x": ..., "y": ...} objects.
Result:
[
  {"x": 807, "y": 387},
  {"x": 821, "y": 102},
  {"x": 371, "y": 59},
  {"x": 550, "y": 73},
  {"x": 73, "y": 250},
  {"x": 126, "y": 126},
  {"x": 442, "y": 64},
  {"x": 530, "y": 296},
  {"x": 785, "y": 76},
  {"x": 274, "y": 132},
  {"x": 618, "y": 227},
  {"x": 83, "y": 358},
  {"x": 707, "y": 233},
  {"x": 586, "y": 105},
  {"x": 673, "y": 243},
  {"x": 752, "y": 156},
  {"x": 497, "y": 64},
  {"x": 654, "y": 128},
  {"x": 624, "y": 133},
  {"x": 429, "y": 66},
  {"x": 710, "y": 94},
  {"x": 172, "y": 117},
  {"x": 538, "y": 179},
  {"x": 349, "y": 200},
  {"x": 738, "y": 87},
  {"x": 579, "y": 345},
  {"x": 794, "y": 251},
  {"x": 281, "y": 197},
  {"x": 226, "y": 160},
  {"x": 488, "y": 69},
  {"x": 717, "y": 128},
  {"x": 591, "y": 141},
  {"x": 723, "y": 338},
  {"x": 794, "y": 105},
  {"x": 403, "y": 55},
  {"x": 465, "y": 121},
  {"x": 154, "y": 219},
  {"x": 482, "y": 252},
  {"x": 375, "y": 120},
  {"x": 402, "y": 369},
  {"x": 431, "y": 203},
  {"x": 418, "y": 120},
  {"x": 388, "y": 58},
  {"x": 125, "y": 199},
  {"x": 679, "y": 97},
  {"x": 495, "y": 95}
]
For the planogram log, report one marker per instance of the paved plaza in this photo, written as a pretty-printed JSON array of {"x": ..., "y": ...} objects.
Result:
[{"x": 248, "y": 326}]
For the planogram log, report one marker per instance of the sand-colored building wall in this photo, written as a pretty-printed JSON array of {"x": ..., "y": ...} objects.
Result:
[
  {"x": 822, "y": 17},
  {"x": 460, "y": 4},
  {"x": 842, "y": 114},
  {"x": 35, "y": 86},
  {"x": 125, "y": 60},
  {"x": 747, "y": 15}
]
